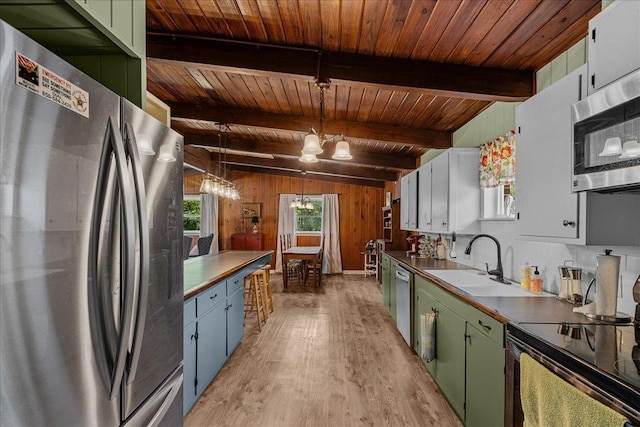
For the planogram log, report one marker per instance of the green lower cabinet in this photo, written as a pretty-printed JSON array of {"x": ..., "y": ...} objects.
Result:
[
  {"x": 450, "y": 353},
  {"x": 385, "y": 286},
  {"x": 424, "y": 303},
  {"x": 485, "y": 380},
  {"x": 470, "y": 356},
  {"x": 392, "y": 289}
]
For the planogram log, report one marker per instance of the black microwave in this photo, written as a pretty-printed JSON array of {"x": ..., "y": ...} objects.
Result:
[{"x": 606, "y": 138}]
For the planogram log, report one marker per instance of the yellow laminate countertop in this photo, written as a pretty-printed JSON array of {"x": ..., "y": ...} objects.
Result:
[{"x": 202, "y": 272}]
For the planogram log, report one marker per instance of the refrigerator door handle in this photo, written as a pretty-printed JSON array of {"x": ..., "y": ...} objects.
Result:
[
  {"x": 140, "y": 313},
  {"x": 128, "y": 248},
  {"x": 176, "y": 386},
  {"x": 114, "y": 366}
]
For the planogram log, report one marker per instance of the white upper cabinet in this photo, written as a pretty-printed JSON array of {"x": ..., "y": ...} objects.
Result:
[
  {"x": 414, "y": 197},
  {"x": 546, "y": 208},
  {"x": 448, "y": 192},
  {"x": 424, "y": 206},
  {"x": 545, "y": 204},
  {"x": 614, "y": 43},
  {"x": 440, "y": 192},
  {"x": 404, "y": 202}
]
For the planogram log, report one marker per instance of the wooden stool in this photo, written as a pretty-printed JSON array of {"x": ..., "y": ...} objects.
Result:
[
  {"x": 260, "y": 277},
  {"x": 267, "y": 294},
  {"x": 254, "y": 299}
]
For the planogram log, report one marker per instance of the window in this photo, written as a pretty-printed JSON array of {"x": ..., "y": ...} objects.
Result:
[
  {"x": 309, "y": 221},
  {"x": 191, "y": 209}
]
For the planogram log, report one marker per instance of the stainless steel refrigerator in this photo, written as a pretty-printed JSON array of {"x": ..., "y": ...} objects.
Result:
[{"x": 91, "y": 290}]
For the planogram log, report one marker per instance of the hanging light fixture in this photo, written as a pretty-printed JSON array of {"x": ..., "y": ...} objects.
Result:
[
  {"x": 314, "y": 141},
  {"x": 218, "y": 185},
  {"x": 302, "y": 202}
]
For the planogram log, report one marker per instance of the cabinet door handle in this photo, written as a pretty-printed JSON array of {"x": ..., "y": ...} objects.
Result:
[
  {"x": 444, "y": 223},
  {"x": 568, "y": 223},
  {"x": 485, "y": 327},
  {"x": 215, "y": 296}
]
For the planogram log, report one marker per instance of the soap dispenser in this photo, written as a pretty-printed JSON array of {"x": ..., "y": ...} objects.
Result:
[{"x": 536, "y": 281}]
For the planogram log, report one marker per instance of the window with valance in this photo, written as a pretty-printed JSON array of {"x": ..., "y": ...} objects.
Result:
[
  {"x": 498, "y": 176},
  {"x": 498, "y": 161}
]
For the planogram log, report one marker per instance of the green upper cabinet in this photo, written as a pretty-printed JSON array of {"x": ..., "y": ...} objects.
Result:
[
  {"x": 103, "y": 38},
  {"x": 122, "y": 21}
]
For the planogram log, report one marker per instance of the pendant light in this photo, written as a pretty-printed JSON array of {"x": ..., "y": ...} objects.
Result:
[
  {"x": 302, "y": 202},
  {"x": 312, "y": 144},
  {"x": 216, "y": 185},
  {"x": 205, "y": 187},
  {"x": 314, "y": 141},
  {"x": 342, "y": 150}
]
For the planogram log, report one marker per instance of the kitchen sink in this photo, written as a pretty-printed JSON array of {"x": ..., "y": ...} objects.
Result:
[{"x": 478, "y": 283}]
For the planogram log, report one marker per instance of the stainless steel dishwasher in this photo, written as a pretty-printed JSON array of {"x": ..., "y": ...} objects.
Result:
[{"x": 403, "y": 303}]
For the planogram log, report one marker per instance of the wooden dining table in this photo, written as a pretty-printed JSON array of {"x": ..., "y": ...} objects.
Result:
[{"x": 309, "y": 253}]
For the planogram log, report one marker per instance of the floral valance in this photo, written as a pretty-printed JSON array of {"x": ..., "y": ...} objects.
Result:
[{"x": 498, "y": 161}]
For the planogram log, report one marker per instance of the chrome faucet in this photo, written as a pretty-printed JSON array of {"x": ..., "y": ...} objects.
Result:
[{"x": 498, "y": 272}]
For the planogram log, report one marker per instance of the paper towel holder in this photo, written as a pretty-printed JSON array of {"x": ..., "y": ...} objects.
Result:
[{"x": 618, "y": 318}]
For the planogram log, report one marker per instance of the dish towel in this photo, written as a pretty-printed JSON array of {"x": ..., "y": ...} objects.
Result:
[
  {"x": 428, "y": 336},
  {"x": 547, "y": 400}
]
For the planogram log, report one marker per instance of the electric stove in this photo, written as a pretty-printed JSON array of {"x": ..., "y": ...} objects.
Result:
[{"x": 605, "y": 356}]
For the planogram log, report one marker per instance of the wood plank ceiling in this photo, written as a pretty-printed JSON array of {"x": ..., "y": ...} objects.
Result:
[{"x": 404, "y": 74}]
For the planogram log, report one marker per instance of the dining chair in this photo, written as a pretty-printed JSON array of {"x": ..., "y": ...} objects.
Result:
[
  {"x": 204, "y": 244},
  {"x": 293, "y": 268},
  {"x": 313, "y": 269},
  {"x": 186, "y": 246}
]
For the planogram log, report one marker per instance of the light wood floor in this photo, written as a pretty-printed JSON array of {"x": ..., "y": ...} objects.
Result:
[{"x": 328, "y": 356}]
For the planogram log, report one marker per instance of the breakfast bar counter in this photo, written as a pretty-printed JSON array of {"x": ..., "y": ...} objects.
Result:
[{"x": 200, "y": 273}]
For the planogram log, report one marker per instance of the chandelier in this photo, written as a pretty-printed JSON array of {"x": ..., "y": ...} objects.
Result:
[
  {"x": 216, "y": 185},
  {"x": 314, "y": 141},
  {"x": 302, "y": 202}
]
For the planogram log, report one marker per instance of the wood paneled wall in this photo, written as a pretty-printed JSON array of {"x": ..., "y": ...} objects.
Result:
[{"x": 360, "y": 210}]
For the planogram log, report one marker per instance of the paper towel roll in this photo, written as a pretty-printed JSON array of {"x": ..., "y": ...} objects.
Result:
[{"x": 607, "y": 273}]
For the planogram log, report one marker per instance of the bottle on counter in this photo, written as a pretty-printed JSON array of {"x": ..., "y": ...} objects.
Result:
[
  {"x": 536, "y": 282},
  {"x": 525, "y": 271}
]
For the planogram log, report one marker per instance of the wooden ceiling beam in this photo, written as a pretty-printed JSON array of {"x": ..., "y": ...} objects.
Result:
[
  {"x": 321, "y": 167},
  {"x": 201, "y": 159},
  {"x": 250, "y": 145},
  {"x": 426, "y": 138},
  {"x": 455, "y": 80},
  {"x": 310, "y": 175}
]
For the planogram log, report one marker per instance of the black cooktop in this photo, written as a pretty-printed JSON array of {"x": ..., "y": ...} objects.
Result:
[{"x": 608, "y": 355}]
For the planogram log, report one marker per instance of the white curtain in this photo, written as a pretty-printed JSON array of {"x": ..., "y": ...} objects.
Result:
[
  {"x": 332, "y": 262},
  {"x": 209, "y": 219},
  {"x": 285, "y": 225}
]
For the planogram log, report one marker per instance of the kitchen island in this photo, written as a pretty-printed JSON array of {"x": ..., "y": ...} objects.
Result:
[
  {"x": 200, "y": 273},
  {"x": 213, "y": 314}
]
